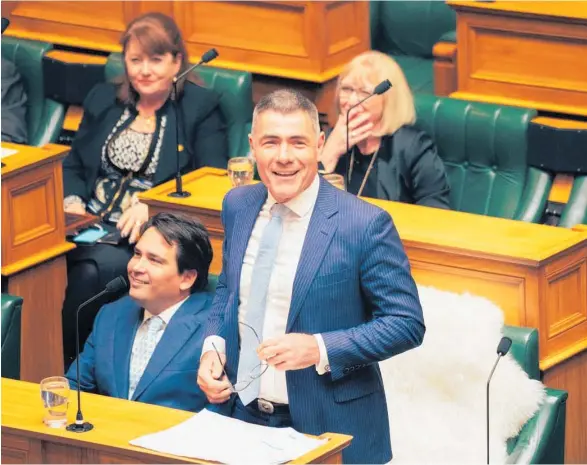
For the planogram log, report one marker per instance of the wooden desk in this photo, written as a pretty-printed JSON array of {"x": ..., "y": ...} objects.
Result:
[
  {"x": 523, "y": 54},
  {"x": 33, "y": 248},
  {"x": 25, "y": 439},
  {"x": 537, "y": 274}
]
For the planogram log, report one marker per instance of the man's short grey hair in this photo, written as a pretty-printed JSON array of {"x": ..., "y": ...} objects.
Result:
[{"x": 286, "y": 101}]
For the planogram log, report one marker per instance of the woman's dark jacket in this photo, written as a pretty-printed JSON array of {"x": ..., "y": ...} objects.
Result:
[
  {"x": 202, "y": 134},
  {"x": 408, "y": 169}
]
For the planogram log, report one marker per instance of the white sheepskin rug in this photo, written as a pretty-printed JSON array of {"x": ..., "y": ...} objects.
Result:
[{"x": 436, "y": 393}]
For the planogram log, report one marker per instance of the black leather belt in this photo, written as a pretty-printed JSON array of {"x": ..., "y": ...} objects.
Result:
[{"x": 269, "y": 408}]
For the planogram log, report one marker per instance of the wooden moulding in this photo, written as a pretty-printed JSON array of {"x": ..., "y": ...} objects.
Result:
[{"x": 445, "y": 68}]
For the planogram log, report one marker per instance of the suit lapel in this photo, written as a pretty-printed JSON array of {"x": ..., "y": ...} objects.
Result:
[
  {"x": 126, "y": 327},
  {"x": 167, "y": 164},
  {"x": 318, "y": 238},
  {"x": 176, "y": 335},
  {"x": 243, "y": 228}
]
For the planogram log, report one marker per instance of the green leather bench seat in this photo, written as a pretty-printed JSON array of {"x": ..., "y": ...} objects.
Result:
[
  {"x": 236, "y": 99},
  {"x": 575, "y": 211},
  {"x": 11, "y": 320},
  {"x": 44, "y": 116},
  {"x": 542, "y": 439},
  {"x": 484, "y": 149},
  {"x": 408, "y": 30}
]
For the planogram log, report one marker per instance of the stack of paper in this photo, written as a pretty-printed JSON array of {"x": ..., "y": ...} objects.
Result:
[
  {"x": 210, "y": 436},
  {"x": 7, "y": 152}
]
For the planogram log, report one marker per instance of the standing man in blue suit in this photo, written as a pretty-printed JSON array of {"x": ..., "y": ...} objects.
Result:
[
  {"x": 146, "y": 346},
  {"x": 315, "y": 290}
]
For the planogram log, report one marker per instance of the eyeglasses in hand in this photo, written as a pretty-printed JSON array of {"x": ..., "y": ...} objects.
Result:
[{"x": 255, "y": 373}]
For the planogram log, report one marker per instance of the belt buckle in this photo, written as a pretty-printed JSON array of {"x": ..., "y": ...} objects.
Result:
[{"x": 265, "y": 406}]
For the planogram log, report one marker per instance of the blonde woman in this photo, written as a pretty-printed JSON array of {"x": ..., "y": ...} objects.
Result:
[{"x": 389, "y": 158}]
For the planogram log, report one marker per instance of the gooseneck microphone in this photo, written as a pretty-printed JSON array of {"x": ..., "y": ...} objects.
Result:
[
  {"x": 380, "y": 88},
  {"x": 206, "y": 58},
  {"x": 502, "y": 349},
  {"x": 116, "y": 285}
]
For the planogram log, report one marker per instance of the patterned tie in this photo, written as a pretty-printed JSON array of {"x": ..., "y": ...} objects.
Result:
[
  {"x": 142, "y": 350},
  {"x": 255, "y": 316}
]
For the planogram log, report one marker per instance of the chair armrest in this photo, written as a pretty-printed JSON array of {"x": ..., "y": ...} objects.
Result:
[
  {"x": 535, "y": 196},
  {"x": 542, "y": 439},
  {"x": 450, "y": 36}
]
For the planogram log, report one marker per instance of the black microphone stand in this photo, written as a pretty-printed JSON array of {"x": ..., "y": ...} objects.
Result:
[
  {"x": 179, "y": 192},
  {"x": 81, "y": 426},
  {"x": 381, "y": 88}
]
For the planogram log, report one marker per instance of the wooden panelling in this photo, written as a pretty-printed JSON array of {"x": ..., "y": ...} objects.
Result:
[
  {"x": 19, "y": 449},
  {"x": 116, "y": 422},
  {"x": 570, "y": 375},
  {"x": 445, "y": 68},
  {"x": 308, "y": 41},
  {"x": 33, "y": 245},
  {"x": 523, "y": 54}
]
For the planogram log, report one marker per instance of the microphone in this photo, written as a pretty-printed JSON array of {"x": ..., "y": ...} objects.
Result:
[
  {"x": 116, "y": 285},
  {"x": 502, "y": 349},
  {"x": 380, "y": 88},
  {"x": 206, "y": 58}
]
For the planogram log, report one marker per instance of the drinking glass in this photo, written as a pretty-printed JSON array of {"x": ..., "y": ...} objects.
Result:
[
  {"x": 55, "y": 396},
  {"x": 240, "y": 171},
  {"x": 336, "y": 180}
]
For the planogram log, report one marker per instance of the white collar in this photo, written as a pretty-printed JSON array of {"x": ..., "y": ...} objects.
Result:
[
  {"x": 304, "y": 202},
  {"x": 166, "y": 314}
]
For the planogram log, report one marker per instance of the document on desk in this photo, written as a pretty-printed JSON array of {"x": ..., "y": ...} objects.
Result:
[
  {"x": 211, "y": 436},
  {"x": 7, "y": 152}
]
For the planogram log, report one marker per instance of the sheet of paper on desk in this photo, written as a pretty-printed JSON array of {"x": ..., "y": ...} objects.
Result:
[
  {"x": 210, "y": 436},
  {"x": 7, "y": 152}
]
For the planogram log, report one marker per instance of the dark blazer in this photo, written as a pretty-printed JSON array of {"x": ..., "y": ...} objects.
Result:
[
  {"x": 14, "y": 100},
  {"x": 409, "y": 169},
  {"x": 353, "y": 286},
  {"x": 170, "y": 376},
  {"x": 202, "y": 133}
]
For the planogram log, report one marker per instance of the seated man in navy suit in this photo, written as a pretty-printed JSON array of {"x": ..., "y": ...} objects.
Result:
[{"x": 146, "y": 346}]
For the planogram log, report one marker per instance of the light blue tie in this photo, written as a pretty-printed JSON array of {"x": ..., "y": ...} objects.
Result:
[
  {"x": 144, "y": 345},
  {"x": 255, "y": 317}
]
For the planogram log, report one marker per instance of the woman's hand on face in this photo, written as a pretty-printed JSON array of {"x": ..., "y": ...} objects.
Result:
[
  {"x": 76, "y": 208},
  {"x": 360, "y": 127},
  {"x": 131, "y": 221}
]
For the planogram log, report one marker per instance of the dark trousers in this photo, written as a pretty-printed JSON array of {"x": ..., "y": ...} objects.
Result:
[
  {"x": 252, "y": 415},
  {"x": 89, "y": 269}
]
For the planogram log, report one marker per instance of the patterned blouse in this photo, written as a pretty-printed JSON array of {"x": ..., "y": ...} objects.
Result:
[{"x": 128, "y": 164}]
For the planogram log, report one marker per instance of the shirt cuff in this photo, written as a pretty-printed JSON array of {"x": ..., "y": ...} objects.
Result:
[
  {"x": 323, "y": 366},
  {"x": 218, "y": 342}
]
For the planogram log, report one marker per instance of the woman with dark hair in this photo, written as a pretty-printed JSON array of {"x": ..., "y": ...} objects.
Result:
[{"x": 126, "y": 144}]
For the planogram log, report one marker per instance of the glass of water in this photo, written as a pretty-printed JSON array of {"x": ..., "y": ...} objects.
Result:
[
  {"x": 240, "y": 171},
  {"x": 55, "y": 396}
]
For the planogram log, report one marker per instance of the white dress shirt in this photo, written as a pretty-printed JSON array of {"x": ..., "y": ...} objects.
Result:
[{"x": 279, "y": 294}]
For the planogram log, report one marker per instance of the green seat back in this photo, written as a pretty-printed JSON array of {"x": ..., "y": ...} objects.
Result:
[
  {"x": 484, "y": 150},
  {"x": 44, "y": 116},
  {"x": 408, "y": 30},
  {"x": 575, "y": 211},
  {"x": 11, "y": 318},
  {"x": 236, "y": 99}
]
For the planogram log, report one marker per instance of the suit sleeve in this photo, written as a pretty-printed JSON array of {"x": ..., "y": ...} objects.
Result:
[
  {"x": 429, "y": 181},
  {"x": 14, "y": 127},
  {"x": 210, "y": 142},
  {"x": 221, "y": 297},
  {"x": 74, "y": 182},
  {"x": 390, "y": 293},
  {"x": 87, "y": 363}
]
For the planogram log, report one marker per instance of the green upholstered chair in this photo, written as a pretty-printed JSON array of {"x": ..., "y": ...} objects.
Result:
[
  {"x": 484, "y": 150},
  {"x": 408, "y": 30},
  {"x": 44, "y": 115},
  {"x": 236, "y": 99},
  {"x": 212, "y": 282},
  {"x": 542, "y": 439},
  {"x": 575, "y": 211},
  {"x": 11, "y": 316}
]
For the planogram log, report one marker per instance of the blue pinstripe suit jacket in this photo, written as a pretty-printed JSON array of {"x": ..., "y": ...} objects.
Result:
[{"x": 353, "y": 285}]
